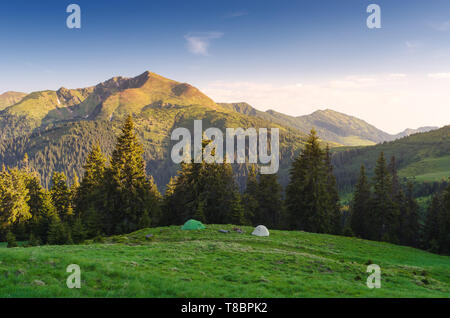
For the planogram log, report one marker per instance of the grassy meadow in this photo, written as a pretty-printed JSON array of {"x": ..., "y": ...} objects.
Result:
[{"x": 207, "y": 263}]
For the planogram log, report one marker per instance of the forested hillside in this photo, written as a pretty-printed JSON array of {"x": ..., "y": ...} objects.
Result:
[
  {"x": 57, "y": 129},
  {"x": 423, "y": 157}
]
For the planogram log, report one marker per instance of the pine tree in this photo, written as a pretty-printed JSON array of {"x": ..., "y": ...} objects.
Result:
[
  {"x": 41, "y": 222},
  {"x": 78, "y": 231},
  {"x": 130, "y": 193},
  {"x": 306, "y": 195},
  {"x": 13, "y": 198},
  {"x": 207, "y": 189},
  {"x": 11, "y": 240},
  {"x": 399, "y": 203},
  {"x": 270, "y": 201},
  {"x": 33, "y": 240},
  {"x": 250, "y": 197},
  {"x": 360, "y": 207},
  {"x": 382, "y": 208},
  {"x": 445, "y": 222},
  {"x": 409, "y": 221},
  {"x": 90, "y": 197},
  {"x": 431, "y": 237},
  {"x": 334, "y": 207},
  {"x": 167, "y": 204},
  {"x": 200, "y": 212},
  {"x": 61, "y": 196},
  {"x": 437, "y": 225},
  {"x": 236, "y": 209},
  {"x": 57, "y": 233}
]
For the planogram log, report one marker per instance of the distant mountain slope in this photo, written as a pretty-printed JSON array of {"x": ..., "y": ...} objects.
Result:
[
  {"x": 10, "y": 98},
  {"x": 57, "y": 129},
  {"x": 330, "y": 125},
  {"x": 422, "y": 156},
  {"x": 409, "y": 131}
]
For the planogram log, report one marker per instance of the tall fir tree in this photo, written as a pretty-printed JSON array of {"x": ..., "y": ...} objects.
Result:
[
  {"x": 41, "y": 208},
  {"x": 131, "y": 195},
  {"x": 334, "y": 207},
  {"x": 204, "y": 190},
  {"x": 306, "y": 195},
  {"x": 383, "y": 215},
  {"x": 14, "y": 196},
  {"x": 409, "y": 219},
  {"x": 360, "y": 206},
  {"x": 90, "y": 198},
  {"x": 270, "y": 201},
  {"x": 250, "y": 196},
  {"x": 61, "y": 196},
  {"x": 437, "y": 226}
]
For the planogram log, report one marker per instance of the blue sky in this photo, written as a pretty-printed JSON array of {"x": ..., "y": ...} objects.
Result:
[{"x": 291, "y": 56}]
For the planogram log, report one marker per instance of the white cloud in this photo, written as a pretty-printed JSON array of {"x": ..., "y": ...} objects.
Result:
[
  {"x": 198, "y": 43},
  {"x": 382, "y": 100},
  {"x": 439, "y": 75},
  {"x": 413, "y": 44}
]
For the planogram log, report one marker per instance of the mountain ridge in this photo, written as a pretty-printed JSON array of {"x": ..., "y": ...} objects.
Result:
[
  {"x": 331, "y": 125},
  {"x": 57, "y": 129}
]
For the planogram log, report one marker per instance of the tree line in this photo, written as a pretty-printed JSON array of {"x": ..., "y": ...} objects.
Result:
[
  {"x": 386, "y": 210},
  {"x": 116, "y": 196}
]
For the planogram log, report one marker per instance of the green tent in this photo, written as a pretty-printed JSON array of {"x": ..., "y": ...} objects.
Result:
[{"x": 193, "y": 225}]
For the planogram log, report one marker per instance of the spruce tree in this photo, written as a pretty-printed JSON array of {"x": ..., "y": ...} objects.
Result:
[
  {"x": 431, "y": 235},
  {"x": 58, "y": 233},
  {"x": 445, "y": 222},
  {"x": 306, "y": 194},
  {"x": 90, "y": 198},
  {"x": 409, "y": 221},
  {"x": 167, "y": 205},
  {"x": 13, "y": 198},
  {"x": 204, "y": 189},
  {"x": 78, "y": 231},
  {"x": 270, "y": 203},
  {"x": 334, "y": 207},
  {"x": 250, "y": 197},
  {"x": 61, "y": 196},
  {"x": 382, "y": 216},
  {"x": 11, "y": 240},
  {"x": 360, "y": 207},
  {"x": 130, "y": 193}
]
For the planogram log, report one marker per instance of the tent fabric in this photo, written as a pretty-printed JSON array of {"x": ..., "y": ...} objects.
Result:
[
  {"x": 260, "y": 230},
  {"x": 193, "y": 225}
]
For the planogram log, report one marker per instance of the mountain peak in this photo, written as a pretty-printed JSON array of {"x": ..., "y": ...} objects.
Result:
[{"x": 10, "y": 98}]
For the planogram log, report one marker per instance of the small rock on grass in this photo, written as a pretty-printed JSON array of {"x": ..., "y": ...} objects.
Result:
[
  {"x": 20, "y": 272},
  {"x": 38, "y": 283},
  {"x": 264, "y": 280}
]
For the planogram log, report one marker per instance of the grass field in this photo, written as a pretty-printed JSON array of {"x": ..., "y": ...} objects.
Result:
[
  {"x": 428, "y": 169},
  {"x": 175, "y": 263}
]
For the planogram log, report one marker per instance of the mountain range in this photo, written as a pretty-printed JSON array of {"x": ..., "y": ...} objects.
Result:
[
  {"x": 58, "y": 128},
  {"x": 329, "y": 124}
]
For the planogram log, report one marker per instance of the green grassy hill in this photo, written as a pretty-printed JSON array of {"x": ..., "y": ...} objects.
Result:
[
  {"x": 421, "y": 157},
  {"x": 176, "y": 263}
]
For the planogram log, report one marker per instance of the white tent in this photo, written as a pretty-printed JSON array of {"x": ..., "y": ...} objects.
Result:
[{"x": 261, "y": 230}]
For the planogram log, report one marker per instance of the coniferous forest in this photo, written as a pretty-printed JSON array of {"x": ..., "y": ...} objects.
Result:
[{"x": 116, "y": 195}]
